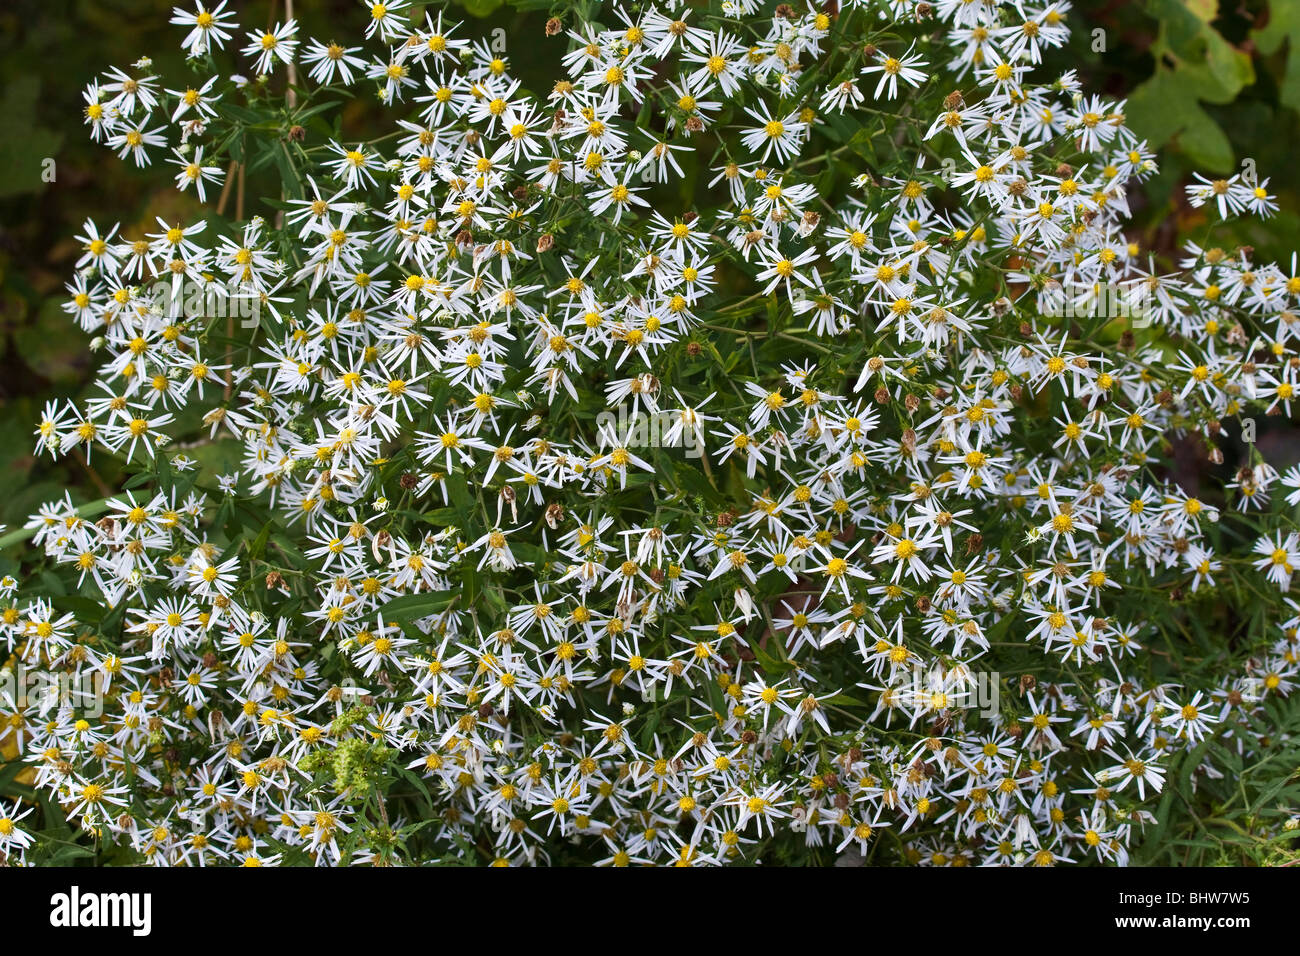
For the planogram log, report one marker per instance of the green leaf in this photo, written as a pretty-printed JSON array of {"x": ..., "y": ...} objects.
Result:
[
  {"x": 288, "y": 174},
  {"x": 846, "y": 700},
  {"x": 244, "y": 115},
  {"x": 164, "y": 469},
  {"x": 309, "y": 111},
  {"x": 1231, "y": 68},
  {"x": 258, "y": 547},
  {"x": 770, "y": 664},
  {"x": 1206, "y": 144},
  {"x": 1167, "y": 106},
  {"x": 480, "y": 8},
  {"x": 1206, "y": 69},
  {"x": 1283, "y": 28},
  {"x": 412, "y": 607}
]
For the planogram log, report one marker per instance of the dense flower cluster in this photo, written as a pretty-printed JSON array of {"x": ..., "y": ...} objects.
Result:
[{"x": 411, "y": 572}]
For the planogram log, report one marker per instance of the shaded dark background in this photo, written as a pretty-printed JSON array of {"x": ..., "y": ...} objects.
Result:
[{"x": 1211, "y": 84}]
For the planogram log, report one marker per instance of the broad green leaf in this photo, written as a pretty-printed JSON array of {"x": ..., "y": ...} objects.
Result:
[{"x": 1283, "y": 28}]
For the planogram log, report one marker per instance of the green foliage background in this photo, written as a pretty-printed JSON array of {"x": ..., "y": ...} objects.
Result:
[{"x": 1210, "y": 83}]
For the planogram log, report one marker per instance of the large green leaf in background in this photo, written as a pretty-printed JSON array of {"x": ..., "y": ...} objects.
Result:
[
  {"x": 1283, "y": 26},
  {"x": 1194, "y": 64}
]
